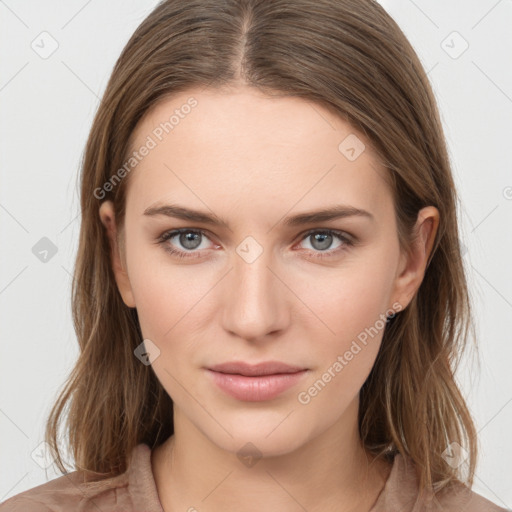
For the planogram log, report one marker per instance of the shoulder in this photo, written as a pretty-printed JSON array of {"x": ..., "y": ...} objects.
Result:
[
  {"x": 67, "y": 492},
  {"x": 460, "y": 498},
  {"x": 401, "y": 492},
  {"x": 72, "y": 492}
]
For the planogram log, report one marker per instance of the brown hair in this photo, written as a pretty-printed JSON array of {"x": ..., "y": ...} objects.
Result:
[{"x": 350, "y": 57}]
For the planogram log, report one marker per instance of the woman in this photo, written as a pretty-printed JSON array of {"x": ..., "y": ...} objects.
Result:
[{"x": 269, "y": 294}]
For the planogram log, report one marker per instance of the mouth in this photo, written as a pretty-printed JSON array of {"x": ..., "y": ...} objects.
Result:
[
  {"x": 256, "y": 383},
  {"x": 256, "y": 370}
]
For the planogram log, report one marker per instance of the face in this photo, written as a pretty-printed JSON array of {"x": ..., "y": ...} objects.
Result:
[{"x": 312, "y": 294}]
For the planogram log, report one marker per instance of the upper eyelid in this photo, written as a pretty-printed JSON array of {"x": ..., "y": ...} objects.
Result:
[{"x": 171, "y": 233}]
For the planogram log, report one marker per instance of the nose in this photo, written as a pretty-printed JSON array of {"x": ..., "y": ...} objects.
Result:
[{"x": 256, "y": 300}]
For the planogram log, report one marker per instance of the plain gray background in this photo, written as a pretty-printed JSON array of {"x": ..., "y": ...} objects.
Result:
[{"x": 47, "y": 105}]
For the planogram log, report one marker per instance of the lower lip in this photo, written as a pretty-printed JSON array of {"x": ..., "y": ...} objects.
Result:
[{"x": 256, "y": 389}]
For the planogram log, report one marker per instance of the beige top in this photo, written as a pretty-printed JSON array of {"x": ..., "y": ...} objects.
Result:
[{"x": 135, "y": 491}]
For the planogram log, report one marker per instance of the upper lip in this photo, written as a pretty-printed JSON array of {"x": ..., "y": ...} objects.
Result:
[{"x": 251, "y": 370}]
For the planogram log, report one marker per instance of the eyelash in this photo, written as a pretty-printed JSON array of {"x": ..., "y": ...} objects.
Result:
[{"x": 347, "y": 242}]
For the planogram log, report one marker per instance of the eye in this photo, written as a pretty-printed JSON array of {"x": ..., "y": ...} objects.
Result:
[
  {"x": 322, "y": 240},
  {"x": 191, "y": 240}
]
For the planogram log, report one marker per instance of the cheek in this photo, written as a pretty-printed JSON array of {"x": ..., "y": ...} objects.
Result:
[
  {"x": 354, "y": 308},
  {"x": 172, "y": 300},
  {"x": 170, "y": 310},
  {"x": 350, "y": 299},
  {"x": 166, "y": 301},
  {"x": 350, "y": 305},
  {"x": 158, "y": 290}
]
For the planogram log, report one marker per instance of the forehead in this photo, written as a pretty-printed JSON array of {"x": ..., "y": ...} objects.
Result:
[{"x": 240, "y": 149}]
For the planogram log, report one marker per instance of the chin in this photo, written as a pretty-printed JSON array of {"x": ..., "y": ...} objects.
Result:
[{"x": 269, "y": 436}]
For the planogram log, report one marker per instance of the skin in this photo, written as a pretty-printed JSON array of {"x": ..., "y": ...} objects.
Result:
[{"x": 254, "y": 160}]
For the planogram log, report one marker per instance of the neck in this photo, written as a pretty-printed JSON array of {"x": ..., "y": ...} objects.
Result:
[{"x": 331, "y": 471}]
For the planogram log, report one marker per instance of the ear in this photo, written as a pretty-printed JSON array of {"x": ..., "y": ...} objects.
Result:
[
  {"x": 413, "y": 264},
  {"x": 118, "y": 261}
]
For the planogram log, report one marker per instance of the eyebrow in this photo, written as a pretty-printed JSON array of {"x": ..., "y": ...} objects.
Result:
[{"x": 321, "y": 215}]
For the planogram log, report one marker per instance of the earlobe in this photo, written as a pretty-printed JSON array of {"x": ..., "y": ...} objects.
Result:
[
  {"x": 414, "y": 263},
  {"x": 107, "y": 217}
]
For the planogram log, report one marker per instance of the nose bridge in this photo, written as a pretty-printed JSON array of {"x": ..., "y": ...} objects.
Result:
[{"x": 255, "y": 305}]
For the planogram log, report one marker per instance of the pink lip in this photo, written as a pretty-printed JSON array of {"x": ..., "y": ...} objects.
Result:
[{"x": 258, "y": 383}]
